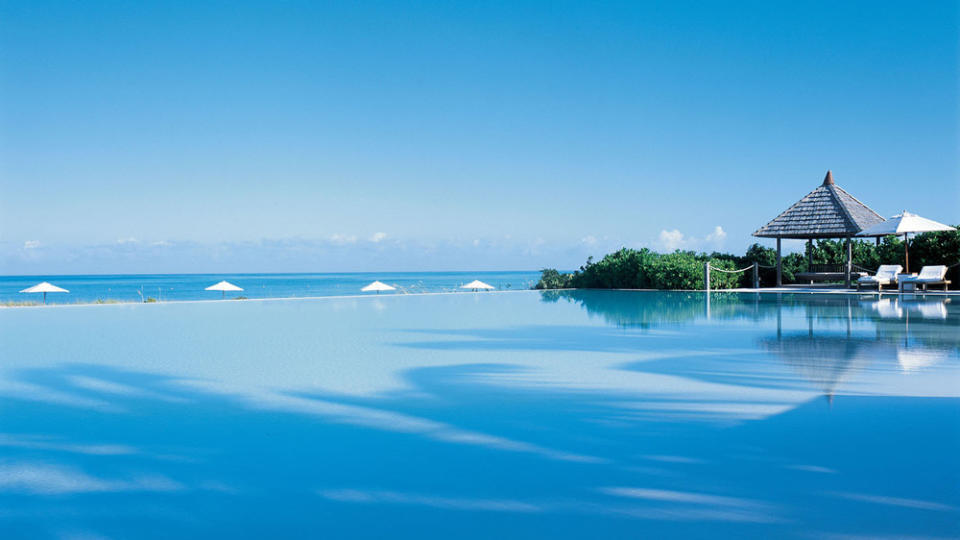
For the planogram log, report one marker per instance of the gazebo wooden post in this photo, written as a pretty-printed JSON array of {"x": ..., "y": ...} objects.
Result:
[
  {"x": 849, "y": 268},
  {"x": 779, "y": 265},
  {"x": 810, "y": 255}
]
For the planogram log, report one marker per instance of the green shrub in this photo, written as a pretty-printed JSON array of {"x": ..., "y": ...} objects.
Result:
[
  {"x": 645, "y": 269},
  {"x": 618, "y": 270},
  {"x": 552, "y": 279}
]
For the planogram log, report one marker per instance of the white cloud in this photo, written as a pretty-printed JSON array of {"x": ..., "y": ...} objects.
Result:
[
  {"x": 127, "y": 240},
  {"x": 47, "y": 443},
  {"x": 108, "y": 387},
  {"x": 672, "y": 240},
  {"x": 379, "y": 419},
  {"x": 54, "y": 480},
  {"x": 717, "y": 236},
  {"x": 895, "y": 501},
  {"x": 81, "y": 535},
  {"x": 432, "y": 501},
  {"x": 812, "y": 468},
  {"x": 342, "y": 239},
  {"x": 677, "y": 496},
  {"x": 378, "y": 237},
  {"x": 35, "y": 392},
  {"x": 589, "y": 240},
  {"x": 31, "y": 244}
]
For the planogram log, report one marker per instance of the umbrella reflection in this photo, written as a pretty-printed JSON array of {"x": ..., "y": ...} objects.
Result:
[{"x": 914, "y": 359}]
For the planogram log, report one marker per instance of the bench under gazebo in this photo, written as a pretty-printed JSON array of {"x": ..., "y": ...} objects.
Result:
[{"x": 826, "y": 212}]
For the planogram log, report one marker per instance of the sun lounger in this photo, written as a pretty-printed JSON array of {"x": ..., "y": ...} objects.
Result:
[
  {"x": 886, "y": 275},
  {"x": 929, "y": 275}
]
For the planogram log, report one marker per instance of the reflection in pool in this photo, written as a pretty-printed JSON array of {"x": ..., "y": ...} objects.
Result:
[{"x": 564, "y": 414}]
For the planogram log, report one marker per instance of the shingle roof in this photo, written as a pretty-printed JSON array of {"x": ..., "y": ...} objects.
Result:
[{"x": 826, "y": 212}]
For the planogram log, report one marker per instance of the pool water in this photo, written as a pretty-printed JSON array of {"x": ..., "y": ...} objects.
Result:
[{"x": 571, "y": 414}]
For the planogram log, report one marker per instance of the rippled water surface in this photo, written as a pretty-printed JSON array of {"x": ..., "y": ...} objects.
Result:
[{"x": 576, "y": 414}]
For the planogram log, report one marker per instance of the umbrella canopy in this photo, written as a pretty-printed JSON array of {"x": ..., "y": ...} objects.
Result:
[
  {"x": 223, "y": 287},
  {"x": 477, "y": 284},
  {"x": 378, "y": 286},
  {"x": 905, "y": 223},
  {"x": 44, "y": 288}
]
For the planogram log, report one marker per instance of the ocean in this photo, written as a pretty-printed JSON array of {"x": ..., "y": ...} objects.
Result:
[{"x": 173, "y": 287}]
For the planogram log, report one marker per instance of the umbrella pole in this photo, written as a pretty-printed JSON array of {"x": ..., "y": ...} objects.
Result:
[
  {"x": 906, "y": 252},
  {"x": 44, "y": 297},
  {"x": 223, "y": 295}
]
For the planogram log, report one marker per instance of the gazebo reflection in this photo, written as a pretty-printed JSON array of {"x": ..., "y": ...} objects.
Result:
[
  {"x": 825, "y": 361},
  {"x": 825, "y": 339},
  {"x": 828, "y": 358}
]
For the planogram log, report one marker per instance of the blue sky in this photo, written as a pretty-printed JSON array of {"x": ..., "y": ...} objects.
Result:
[{"x": 310, "y": 136}]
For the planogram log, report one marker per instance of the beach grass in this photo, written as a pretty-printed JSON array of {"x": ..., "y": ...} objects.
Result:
[{"x": 19, "y": 303}]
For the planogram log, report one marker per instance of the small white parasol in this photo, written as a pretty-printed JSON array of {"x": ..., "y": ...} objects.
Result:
[
  {"x": 477, "y": 284},
  {"x": 44, "y": 288},
  {"x": 223, "y": 287},
  {"x": 905, "y": 224},
  {"x": 378, "y": 286}
]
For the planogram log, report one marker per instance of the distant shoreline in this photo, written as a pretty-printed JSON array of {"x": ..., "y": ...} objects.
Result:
[
  {"x": 137, "y": 288},
  {"x": 198, "y": 274},
  {"x": 238, "y": 300}
]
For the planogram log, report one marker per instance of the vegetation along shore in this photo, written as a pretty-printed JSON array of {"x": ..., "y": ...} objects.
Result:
[{"x": 646, "y": 269}]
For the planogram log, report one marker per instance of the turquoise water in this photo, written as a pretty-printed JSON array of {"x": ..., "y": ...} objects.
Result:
[
  {"x": 580, "y": 414},
  {"x": 172, "y": 287}
]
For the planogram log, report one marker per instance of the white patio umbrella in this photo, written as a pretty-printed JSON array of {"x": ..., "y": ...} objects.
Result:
[
  {"x": 904, "y": 224},
  {"x": 223, "y": 287},
  {"x": 44, "y": 288},
  {"x": 378, "y": 286},
  {"x": 477, "y": 284}
]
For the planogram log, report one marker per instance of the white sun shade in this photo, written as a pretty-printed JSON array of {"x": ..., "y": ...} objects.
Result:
[
  {"x": 43, "y": 288},
  {"x": 378, "y": 286},
  {"x": 903, "y": 224},
  {"x": 476, "y": 284},
  {"x": 223, "y": 286}
]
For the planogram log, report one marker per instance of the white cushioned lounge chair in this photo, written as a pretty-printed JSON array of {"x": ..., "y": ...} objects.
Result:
[
  {"x": 929, "y": 275},
  {"x": 886, "y": 275}
]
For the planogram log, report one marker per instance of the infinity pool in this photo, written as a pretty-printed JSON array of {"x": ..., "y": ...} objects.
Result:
[{"x": 575, "y": 414}]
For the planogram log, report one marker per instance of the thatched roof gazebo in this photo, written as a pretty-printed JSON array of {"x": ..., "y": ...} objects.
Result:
[{"x": 826, "y": 212}]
